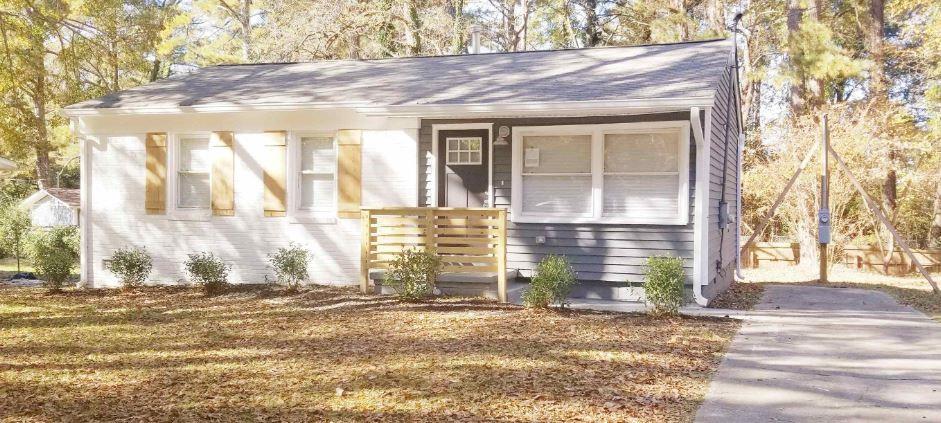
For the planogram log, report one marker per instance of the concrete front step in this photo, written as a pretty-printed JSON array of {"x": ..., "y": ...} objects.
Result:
[{"x": 482, "y": 284}]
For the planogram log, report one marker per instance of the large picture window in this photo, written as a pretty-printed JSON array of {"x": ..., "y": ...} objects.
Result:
[
  {"x": 617, "y": 173},
  {"x": 193, "y": 189}
]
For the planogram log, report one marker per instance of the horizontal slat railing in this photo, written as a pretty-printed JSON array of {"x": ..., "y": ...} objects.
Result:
[{"x": 467, "y": 240}]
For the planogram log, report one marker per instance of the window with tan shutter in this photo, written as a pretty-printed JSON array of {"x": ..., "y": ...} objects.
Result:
[{"x": 193, "y": 182}]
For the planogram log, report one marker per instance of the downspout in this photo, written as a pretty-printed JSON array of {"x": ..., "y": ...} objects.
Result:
[
  {"x": 738, "y": 209},
  {"x": 700, "y": 220}
]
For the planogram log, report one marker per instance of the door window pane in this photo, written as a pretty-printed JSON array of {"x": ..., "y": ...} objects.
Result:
[{"x": 464, "y": 151}]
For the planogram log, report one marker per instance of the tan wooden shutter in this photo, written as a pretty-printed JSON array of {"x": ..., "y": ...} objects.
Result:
[
  {"x": 275, "y": 173},
  {"x": 349, "y": 178},
  {"x": 222, "y": 147},
  {"x": 155, "y": 201}
]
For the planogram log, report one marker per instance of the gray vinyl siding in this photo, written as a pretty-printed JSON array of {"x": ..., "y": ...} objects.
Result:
[
  {"x": 722, "y": 242},
  {"x": 608, "y": 253}
]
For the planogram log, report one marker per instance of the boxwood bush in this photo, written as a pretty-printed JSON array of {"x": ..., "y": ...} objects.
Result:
[
  {"x": 208, "y": 271},
  {"x": 413, "y": 273},
  {"x": 552, "y": 282},
  {"x": 664, "y": 279},
  {"x": 132, "y": 265},
  {"x": 54, "y": 253},
  {"x": 290, "y": 265}
]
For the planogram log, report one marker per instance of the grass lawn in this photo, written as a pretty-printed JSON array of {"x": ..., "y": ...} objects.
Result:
[
  {"x": 171, "y": 354},
  {"x": 911, "y": 290}
]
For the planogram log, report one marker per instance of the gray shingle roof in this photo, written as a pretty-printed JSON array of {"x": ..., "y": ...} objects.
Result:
[
  {"x": 69, "y": 196},
  {"x": 679, "y": 70}
]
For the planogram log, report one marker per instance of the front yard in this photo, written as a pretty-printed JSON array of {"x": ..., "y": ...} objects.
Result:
[{"x": 171, "y": 354}]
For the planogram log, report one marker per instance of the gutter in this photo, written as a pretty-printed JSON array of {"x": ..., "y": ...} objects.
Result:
[
  {"x": 559, "y": 108},
  {"x": 738, "y": 209}
]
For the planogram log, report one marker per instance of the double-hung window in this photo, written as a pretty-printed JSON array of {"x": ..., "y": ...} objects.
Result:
[
  {"x": 613, "y": 173},
  {"x": 315, "y": 175},
  {"x": 192, "y": 174}
]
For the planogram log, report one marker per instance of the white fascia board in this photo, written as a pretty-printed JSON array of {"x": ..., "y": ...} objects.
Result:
[{"x": 564, "y": 108}]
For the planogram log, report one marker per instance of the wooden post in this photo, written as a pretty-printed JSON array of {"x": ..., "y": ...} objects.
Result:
[
  {"x": 500, "y": 254},
  {"x": 430, "y": 229},
  {"x": 885, "y": 221},
  {"x": 366, "y": 224},
  {"x": 823, "y": 216}
]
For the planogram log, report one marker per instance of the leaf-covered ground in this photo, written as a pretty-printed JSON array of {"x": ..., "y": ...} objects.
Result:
[{"x": 330, "y": 354}]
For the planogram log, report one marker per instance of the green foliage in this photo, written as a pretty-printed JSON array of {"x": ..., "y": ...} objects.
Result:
[
  {"x": 132, "y": 265},
  {"x": 208, "y": 271},
  {"x": 14, "y": 225},
  {"x": 664, "y": 279},
  {"x": 290, "y": 265},
  {"x": 552, "y": 282},
  {"x": 412, "y": 274},
  {"x": 54, "y": 254}
]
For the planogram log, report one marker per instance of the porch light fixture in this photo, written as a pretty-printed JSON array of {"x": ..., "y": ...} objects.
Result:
[{"x": 502, "y": 135}]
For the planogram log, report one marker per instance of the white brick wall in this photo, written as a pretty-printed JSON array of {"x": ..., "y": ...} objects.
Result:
[{"x": 114, "y": 191}]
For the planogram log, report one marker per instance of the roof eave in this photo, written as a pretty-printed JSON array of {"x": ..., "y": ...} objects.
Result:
[{"x": 425, "y": 110}]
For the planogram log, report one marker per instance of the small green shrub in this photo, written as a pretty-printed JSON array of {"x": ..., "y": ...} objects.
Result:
[
  {"x": 54, "y": 253},
  {"x": 664, "y": 279},
  {"x": 290, "y": 265},
  {"x": 14, "y": 229},
  {"x": 132, "y": 265},
  {"x": 208, "y": 271},
  {"x": 413, "y": 274},
  {"x": 552, "y": 282}
]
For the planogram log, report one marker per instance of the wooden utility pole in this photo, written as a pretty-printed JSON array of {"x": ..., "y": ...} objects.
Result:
[{"x": 823, "y": 216}]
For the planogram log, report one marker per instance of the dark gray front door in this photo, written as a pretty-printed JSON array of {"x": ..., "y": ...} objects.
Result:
[{"x": 463, "y": 157}]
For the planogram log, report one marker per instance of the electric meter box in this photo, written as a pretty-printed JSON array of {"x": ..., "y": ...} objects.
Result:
[{"x": 823, "y": 226}]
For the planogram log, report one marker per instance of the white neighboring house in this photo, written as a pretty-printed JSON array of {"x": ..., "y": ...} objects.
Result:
[
  {"x": 7, "y": 164},
  {"x": 52, "y": 207}
]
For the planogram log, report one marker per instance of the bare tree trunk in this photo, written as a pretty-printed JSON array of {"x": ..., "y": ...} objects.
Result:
[
  {"x": 155, "y": 70},
  {"x": 875, "y": 33},
  {"x": 413, "y": 20},
  {"x": 245, "y": 19},
  {"x": 592, "y": 23},
  {"x": 934, "y": 235},
  {"x": 680, "y": 7},
  {"x": 890, "y": 205},
  {"x": 41, "y": 145},
  {"x": 459, "y": 26},
  {"x": 715, "y": 16},
  {"x": 795, "y": 15}
]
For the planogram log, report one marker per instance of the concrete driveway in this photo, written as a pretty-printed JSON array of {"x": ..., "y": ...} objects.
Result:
[{"x": 829, "y": 354}]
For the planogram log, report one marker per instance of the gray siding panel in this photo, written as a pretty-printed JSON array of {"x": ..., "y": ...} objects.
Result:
[
  {"x": 609, "y": 253},
  {"x": 722, "y": 242}
]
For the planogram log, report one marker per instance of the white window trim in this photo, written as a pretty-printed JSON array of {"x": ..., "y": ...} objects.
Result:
[
  {"x": 173, "y": 167},
  {"x": 295, "y": 213},
  {"x": 597, "y": 133},
  {"x": 448, "y": 151}
]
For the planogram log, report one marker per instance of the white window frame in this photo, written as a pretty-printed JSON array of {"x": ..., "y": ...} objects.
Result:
[
  {"x": 448, "y": 151},
  {"x": 173, "y": 168},
  {"x": 597, "y": 133},
  {"x": 296, "y": 214}
]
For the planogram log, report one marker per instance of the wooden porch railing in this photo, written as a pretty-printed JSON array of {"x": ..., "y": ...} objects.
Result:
[{"x": 468, "y": 240}]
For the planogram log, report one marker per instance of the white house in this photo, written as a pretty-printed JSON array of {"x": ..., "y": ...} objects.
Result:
[
  {"x": 53, "y": 207},
  {"x": 606, "y": 155}
]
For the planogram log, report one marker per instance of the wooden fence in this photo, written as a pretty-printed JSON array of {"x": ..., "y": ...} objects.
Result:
[
  {"x": 467, "y": 240},
  {"x": 867, "y": 258}
]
